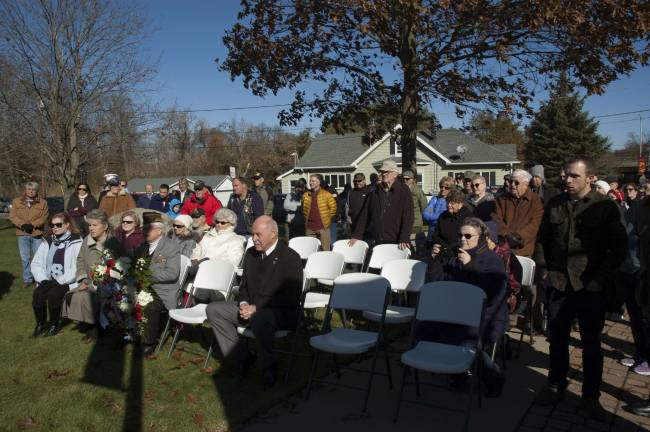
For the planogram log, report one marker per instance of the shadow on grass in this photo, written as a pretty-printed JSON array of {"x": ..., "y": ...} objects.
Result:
[{"x": 6, "y": 280}]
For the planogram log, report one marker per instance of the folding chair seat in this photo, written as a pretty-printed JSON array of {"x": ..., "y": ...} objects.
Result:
[
  {"x": 383, "y": 253},
  {"x": 355, "y": 254}
]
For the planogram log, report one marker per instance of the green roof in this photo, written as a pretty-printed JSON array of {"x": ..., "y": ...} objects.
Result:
[{"x": 333, "y": 150}]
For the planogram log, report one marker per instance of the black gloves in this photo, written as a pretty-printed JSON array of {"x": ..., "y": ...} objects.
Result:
[{"x": 28, "y": 228}]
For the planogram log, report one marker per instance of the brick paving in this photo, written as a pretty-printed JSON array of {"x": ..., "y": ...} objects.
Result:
[{"x": 620, "y": 387}]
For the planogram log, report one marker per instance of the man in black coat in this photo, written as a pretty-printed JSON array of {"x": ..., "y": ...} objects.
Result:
[{"x": 269, "y": 296}]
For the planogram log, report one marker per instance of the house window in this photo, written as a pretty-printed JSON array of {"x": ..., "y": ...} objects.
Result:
[
  {"x": 419, "y": 179},
  {"x": 337, "y": 180}
]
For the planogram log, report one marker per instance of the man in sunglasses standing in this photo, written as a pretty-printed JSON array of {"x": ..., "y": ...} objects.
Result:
[
  {"x": 519, "y": 213},
  {"x": 29, "y": 214}
]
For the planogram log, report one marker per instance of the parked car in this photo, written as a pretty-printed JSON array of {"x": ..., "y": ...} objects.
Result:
[
  {"x": 5, "y": 205},
  {"x": 55, "y": 204}
]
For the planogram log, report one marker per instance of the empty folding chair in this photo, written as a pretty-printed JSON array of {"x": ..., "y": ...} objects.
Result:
[
  {"x": 527, "y": 281},
  {"x": 214, "y": 274},
  {"x": 321, "y": 266},
  {"x": 360, "y": 292},
  {"x": 182, "y": 277},
  {"x": 305, "y": 246},
  {"x": 404, "y": 275},
  {"x": 381, "y": 254},
  {"x": 453, "y": 303},
  {"x": 355, "y": 254}
]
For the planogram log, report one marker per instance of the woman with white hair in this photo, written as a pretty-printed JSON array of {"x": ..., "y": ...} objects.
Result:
[
  {"x": 182, "y": 232},
  {"x": 220, "y": 242}
]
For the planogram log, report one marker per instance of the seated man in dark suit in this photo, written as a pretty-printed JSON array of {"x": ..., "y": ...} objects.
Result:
[{"x": 269, "y": 296}]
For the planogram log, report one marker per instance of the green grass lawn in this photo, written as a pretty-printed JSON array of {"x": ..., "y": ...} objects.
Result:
[{"x": 62, "y": 384}]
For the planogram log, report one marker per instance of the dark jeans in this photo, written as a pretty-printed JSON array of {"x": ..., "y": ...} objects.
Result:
[
  {"x": 638, "y": 323},
  {"x": 589, "y": 308},
  {"x": 48, "y": 295},
  {"x": 152, "y": 314}
]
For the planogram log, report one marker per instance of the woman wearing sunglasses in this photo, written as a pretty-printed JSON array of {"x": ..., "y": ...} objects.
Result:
[
  {"x": 182, "y": 232},
  {"x": 55, "y": 271},
  {"x": 437, "y": 205},
  {"x": 79, "y": 204},
  {"x": 475, "y": 264},
  {"x": 129, "y": 233}
]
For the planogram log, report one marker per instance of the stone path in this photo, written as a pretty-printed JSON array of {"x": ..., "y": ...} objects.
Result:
[{"x": 336, "y": 408}]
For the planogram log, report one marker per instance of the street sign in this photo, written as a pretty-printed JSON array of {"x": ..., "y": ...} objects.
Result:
[{"x": 233, "y": 172}]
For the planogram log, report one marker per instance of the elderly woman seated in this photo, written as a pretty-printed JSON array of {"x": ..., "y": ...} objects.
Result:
[
  {"x": 220, "y": 242},
  {"x": 182, "y": 233},
  {"x": 476, "y": 264}
]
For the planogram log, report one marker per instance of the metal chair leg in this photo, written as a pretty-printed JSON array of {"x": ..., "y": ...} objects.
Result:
[
  {"x": 207, "y": 358},
  {"x": 417, "y": 382},
  {"x": 164, "y": 335},
  {"x": 171, "y": 348},
  {"x": 372, "y": 375},
  {"x": 401, "y": 391},
  {"x": 312, "y": 374},
  {"x": 388, "y": 372}
]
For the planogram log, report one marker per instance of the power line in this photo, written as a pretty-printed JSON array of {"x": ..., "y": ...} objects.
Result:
[{"x": 622, "y": 113}]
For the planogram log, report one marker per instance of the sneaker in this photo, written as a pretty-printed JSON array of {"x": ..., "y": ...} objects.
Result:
[
  {"x": 629, "y": 361},
  {"x": 642, "y": 368}
]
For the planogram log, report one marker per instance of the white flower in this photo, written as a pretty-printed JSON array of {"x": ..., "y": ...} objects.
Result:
[
  {"x": 125, "y": 306},
  {"x": 100, "y": 269},
  {"x": 144, "y": 298}
]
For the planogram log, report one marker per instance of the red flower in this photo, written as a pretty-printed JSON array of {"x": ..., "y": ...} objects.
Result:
[
  {"x": 118, "y": 296},
  {"x": 138, "y": 311},
  {"x": 110, "y": 263}
]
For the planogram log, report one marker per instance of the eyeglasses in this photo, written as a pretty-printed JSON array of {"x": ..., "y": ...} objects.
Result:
[
  {"x": 56, "y": 225},
  {"x": 82, "y": 189},
  {"x": 445, "y": 187},
  {"x": 516, "y": 183},
  {"x": 476, "y": 185},
  {"x": 466, "y": 236},
  {"x": 196, "y": 216},
  {"x": 630, "y": 189},
  {"x": 127, "y": 222},
  {"x": 179, "y": 226},
  {"x": 221, "y": 222}
]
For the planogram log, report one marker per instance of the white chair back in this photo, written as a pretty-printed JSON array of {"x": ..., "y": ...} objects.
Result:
[
  {"x": 305, "y": 246},
  {"x": 248, "y": 242},
  {"x": 324, "y": 265},
  {"x": 360, "y": 291},
  {"x": 381, "y": 254},
  {"x": 405, "y": 274},
  {"x": 451, "y": 302},
  {"x": 215, "y": 275},
  {"x": 353, "y": 254},
  {"x": 528, "y": 271},
  {"x": 185, "y": 266}
]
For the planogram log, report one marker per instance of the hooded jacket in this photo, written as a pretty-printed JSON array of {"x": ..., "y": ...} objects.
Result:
[
  {"x": 116, "y": 204},
  {"x": 170, "y": 208}
]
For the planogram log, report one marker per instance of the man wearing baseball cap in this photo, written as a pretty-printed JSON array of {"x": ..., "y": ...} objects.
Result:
[
  {"x": 388, "y": 210},
  {"x": 202, "y": 199},
  {"x": 261, "y": 190}
]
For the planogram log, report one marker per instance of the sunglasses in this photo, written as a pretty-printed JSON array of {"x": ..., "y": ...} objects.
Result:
[
  {"x": 221, "y": 222},
  {"x": 196, "y": 216},
  {"x": 56, "y": 225},
  {"x": 516, "y": 183},
  {"x": 358, "y": 180},
  {"x": 467, "y": 236},
  {"x": 82, "y": 189},
  {"x": 476, "y": 185},
  {"x": 127, "y": 222},
  {"x": 179, "y": 226},
  {"x": 445, "y": 187}
]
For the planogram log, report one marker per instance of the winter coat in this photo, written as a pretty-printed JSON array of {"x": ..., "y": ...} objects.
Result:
[
  {"x": 486, "y": 271},
  {"x": 165, "y": 268},
  {"x": 144, "y": 201},
  {"x": 158, "y": 203},
  {"x": 224, "y": 245},
  {"x": 170, "y": 208},
  {"x": 641, "y": 218},
  {"x": 267, "y": 199},
  {"x": 247, "y": 210},
  {"x": 210, "y": 204},
  {"x": 41, "y": 265},
  {"x": 388, "y": 214},
  {"x": 582, "y": 244},
  {"x": 90, "y": 255},
  {"x": 326, "y": 206},
  {"x": 116, "y": 204},
  {"x": 419, "y": 204},
  {"x": 520, "y": 216},
  {"x": 483, "y": 208},
  {"x": 448, "y": 226},
  {"x": 77, "y": 211},
  {"x": 129, "y": 244},
  {"x": 36, "y": 215},
  {"x": 437, "y": 206},
  {"x": 356, "y": 199}
]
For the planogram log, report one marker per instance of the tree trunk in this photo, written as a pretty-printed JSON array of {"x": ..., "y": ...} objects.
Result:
[{"x": 410, "y": 100}]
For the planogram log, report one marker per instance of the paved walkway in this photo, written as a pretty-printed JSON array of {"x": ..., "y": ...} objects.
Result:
[{"x": 339, "y": 409}]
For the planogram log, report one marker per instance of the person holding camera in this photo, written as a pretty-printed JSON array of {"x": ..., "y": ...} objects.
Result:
[
  {"x": 445, "y": 238},
  {"x": 29, "y": 214}
]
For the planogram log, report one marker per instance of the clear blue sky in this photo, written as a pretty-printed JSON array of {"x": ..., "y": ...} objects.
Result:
[{"x": 186, "y": 40}]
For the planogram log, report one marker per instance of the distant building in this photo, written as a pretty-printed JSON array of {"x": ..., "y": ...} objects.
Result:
[
  {"x": 338, "y": 157},
  {"x": 221, "y": 184}
]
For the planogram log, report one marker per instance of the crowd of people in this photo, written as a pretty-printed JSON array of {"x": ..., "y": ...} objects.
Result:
[{"x": 588, "y": 236}]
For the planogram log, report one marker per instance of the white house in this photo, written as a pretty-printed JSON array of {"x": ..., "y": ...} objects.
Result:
[{"x": 338, "y": 157}]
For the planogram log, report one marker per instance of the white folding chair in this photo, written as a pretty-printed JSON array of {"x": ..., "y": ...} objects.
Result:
[
  {"x": 305, "y": 246},
  {"x": 351, "y": 254},
  {"x": 453, "y": 303},
  {"x": 182, "y": 278},
  {"x": 361, "y": 292},
  {"x": 215, "y": 275},
  {"x": 320, "y": 266},
  {"x": 405, "y": 276},
  {"x": 383, "y": 253},
  {"x": 527, "y": 284},
  {"x": 248, "y": 243}
]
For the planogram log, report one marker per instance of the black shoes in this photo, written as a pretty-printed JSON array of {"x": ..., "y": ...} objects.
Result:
[
  {"x": 39, "y": 329},
  {"x": 54, "y": 329},
  {"x": 244, "y": 366},
  {"x": 593, "y": 409},
  {"x": 550, "y": 395},
  {"x": 639, "y": 408}
]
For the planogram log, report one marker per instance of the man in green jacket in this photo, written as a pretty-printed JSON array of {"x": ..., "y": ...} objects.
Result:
[{"x": 581, "y": 242}]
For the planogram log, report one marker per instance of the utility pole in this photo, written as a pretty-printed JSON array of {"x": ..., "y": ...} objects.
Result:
[{"x": 640, "y": 137}]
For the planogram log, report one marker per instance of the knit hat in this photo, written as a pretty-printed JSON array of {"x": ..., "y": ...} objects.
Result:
[
  {"x": 186, "y": 220},
  {"x": 603, "y": 185},
  {"x": 537, "y": 171},
  {"x": 407, "y": 173}
]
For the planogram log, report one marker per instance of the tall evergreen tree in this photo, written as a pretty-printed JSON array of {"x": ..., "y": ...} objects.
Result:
[{"x": 561, "y": 129}]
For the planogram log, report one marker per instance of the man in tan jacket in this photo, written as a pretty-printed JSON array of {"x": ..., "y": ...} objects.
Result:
[
  {"x": 116, "y": 200},
  {"x": 29, "y": 215}
]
